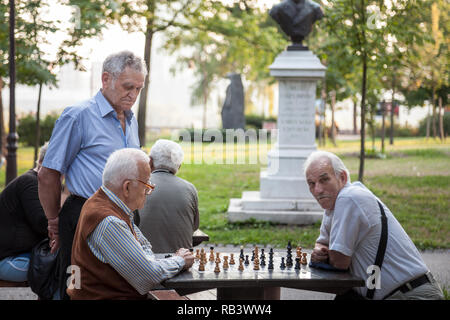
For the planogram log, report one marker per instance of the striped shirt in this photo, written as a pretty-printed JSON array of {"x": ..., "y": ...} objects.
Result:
[{"x": 113, "y": 242}]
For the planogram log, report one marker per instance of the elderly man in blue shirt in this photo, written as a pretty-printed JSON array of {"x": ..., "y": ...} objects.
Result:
[{"x": 83, "y": 138}]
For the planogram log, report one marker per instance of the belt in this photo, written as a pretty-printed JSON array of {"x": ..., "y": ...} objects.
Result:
[{"x": 408, "y": 286}]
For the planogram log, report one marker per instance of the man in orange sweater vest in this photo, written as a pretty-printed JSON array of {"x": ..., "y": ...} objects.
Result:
[{"x": 114, "y": 260}]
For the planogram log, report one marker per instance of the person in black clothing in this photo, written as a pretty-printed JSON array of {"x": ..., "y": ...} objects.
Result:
[{"x": 22, "y": 223}]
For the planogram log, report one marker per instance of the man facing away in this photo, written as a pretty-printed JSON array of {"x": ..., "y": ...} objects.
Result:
[
  {"x": 83, "y": 138},
  {"x": 170, "y": 215},
  {"x": 112, "y": 256},
  {"x": 350, "y": 235}
]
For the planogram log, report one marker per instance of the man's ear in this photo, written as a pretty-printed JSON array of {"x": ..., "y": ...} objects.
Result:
[
  {"x": 343, "y": 177},
  {"x": 105, "y": 79},
  {"x": 126, "y": 188},
  {"x": 151, "y": 165}
]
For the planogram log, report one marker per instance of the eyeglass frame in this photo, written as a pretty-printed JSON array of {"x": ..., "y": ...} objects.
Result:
[{"x": 150, "y": 187}]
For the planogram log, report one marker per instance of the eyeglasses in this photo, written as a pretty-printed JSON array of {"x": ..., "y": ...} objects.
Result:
[{"x": 150, "y": 186}]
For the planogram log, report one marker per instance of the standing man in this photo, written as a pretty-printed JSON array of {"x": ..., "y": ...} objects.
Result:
[
  {"x": 83, "y": 138},
  {"x": 170, "y": 215},
  {"x": 350, "y": 234}
]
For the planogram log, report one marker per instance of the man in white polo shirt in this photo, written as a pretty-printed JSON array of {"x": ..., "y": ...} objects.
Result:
[{"x": 350, "y": 236}]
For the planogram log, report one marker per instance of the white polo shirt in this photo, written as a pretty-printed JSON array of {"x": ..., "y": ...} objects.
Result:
[{"x": 353, "y": 228}]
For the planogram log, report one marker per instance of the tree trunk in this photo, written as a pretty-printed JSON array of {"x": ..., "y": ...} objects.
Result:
[
  {"x": 355, "y": 115},
  {"x": 142, "y": 111},
  {"x": 333, "y": 125},
  {"x": 38, "y": 124},
  {"x": 383, "y": 125},
  {"x": 428, "y": 121},
  {"x": 391, "y": 133},
  {"x": 2, "y": 124},
  {"x": 363, "y": 118},
  {"x": 441, "y": 120},
  {"x": 433, "y": 120}
]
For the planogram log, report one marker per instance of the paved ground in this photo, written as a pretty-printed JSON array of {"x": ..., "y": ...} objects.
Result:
[{"x": 437, "y": 260}]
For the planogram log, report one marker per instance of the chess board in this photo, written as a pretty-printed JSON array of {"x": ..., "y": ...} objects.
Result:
[{"x": 301, "y": 276}]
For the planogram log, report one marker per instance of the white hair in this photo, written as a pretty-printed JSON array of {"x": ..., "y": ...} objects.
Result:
[
  {"x": 166, "y": 154},
  {"x": 336, "y": 162},
  {"x": 121, "y": 165},
  {"x": 42, "y": 153},
  {"x": 116, "y": 63}
]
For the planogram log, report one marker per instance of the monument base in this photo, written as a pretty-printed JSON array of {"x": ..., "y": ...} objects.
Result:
[{"x": 283, "y": 211}]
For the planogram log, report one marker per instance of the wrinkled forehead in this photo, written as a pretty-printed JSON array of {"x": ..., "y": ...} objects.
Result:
[{"x": 321, "y": 166}]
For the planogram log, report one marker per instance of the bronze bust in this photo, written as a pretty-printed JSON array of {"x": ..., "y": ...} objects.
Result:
[{"x": 296, "y": 18}]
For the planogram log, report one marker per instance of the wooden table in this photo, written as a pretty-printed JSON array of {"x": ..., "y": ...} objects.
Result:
[{"x": 263, "y": 284}]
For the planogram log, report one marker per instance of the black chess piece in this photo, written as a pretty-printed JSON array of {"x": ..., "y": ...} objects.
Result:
[
  {"x": 263, "y": 261},
  {"x": 282, "y": 265},
  {"x": 241, "y": 256},
  {"x": 246, "y": 262},
  {"x": 253, "y": 255},
  {"x": 262, "y": 254},
  {"x": 289, "y": 255},
  {"x": 297, "y": 264}
]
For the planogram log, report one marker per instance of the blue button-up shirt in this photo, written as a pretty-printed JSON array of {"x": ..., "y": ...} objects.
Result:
[{"x": 83, "y": 138}]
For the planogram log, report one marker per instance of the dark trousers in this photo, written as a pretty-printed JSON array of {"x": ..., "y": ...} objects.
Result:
[{"x": 68, "y": 219}]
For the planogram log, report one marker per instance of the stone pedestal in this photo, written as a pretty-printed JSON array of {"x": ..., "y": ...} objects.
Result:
[{"x": 284, "y": 196}]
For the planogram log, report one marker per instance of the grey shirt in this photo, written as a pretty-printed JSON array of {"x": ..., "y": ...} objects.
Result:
[{"x": 170, "y": 215}]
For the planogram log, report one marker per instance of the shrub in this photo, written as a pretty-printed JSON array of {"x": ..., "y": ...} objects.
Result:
[
  {"x": 26, "y": 129},
  {"x": 423, "y": 125}
]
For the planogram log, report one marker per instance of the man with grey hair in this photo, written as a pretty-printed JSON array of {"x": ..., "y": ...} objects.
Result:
[
  {"x": 170, "y": 215},
  {"x": 83, "y": 138},
  {"x": 359, "y": 233},
  {"x": 115, "y": 260},
  {"x": 22, "y": 223}
]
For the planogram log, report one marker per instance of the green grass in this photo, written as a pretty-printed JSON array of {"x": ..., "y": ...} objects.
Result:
[{"x": 413, "y": 180}]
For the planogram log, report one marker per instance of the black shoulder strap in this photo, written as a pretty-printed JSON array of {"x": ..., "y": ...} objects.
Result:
[{"x": 381, "y": 246}]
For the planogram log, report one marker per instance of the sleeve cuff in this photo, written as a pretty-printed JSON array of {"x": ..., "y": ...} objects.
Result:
[{"x": 341, "y": 248}]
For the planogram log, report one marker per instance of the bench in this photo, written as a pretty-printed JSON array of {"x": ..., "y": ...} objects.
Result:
[{"x": 12, "y": 284}]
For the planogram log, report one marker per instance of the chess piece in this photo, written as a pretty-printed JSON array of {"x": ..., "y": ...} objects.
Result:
[
  {"x": 225, "y": 262},
  {"x": 289, "y": 255},
  {"x": 263, "y": 261},
  {"x": 297, "y": 263},
  {"x": 201, "y": 266},
  {"x": 241, "y": 256},
  {"x": 197, "y": 254},
  {"x": 218, "y": 257},
  {"x": 217, "y": 268},
  {"x": 270, "y": 266},
  {"x": 262, "y": 254},
  {"x": 282, "y": 265},
  {"x": 241, "y": 264},
  {"x": 304, "y": 260},
  {"x": 299, "y": 252},
  {"x": 256, "y": 264},
  {"x": 232, "y": 259},
  {"x": 211, "y": 254},
  {"x": 246, "y": 260}
]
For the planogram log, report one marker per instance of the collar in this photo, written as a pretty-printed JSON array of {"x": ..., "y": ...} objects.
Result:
[
  {"x": 106, "y": 108},
  {"x": 162, "y": 170},
  {"x": 118, "y": 202}
]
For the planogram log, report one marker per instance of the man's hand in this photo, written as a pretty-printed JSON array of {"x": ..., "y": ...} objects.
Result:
[
  {"x": 320, "y": 253},
  {"x": 187, "y": 256},
  {"x": 53, "y": 233}
]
